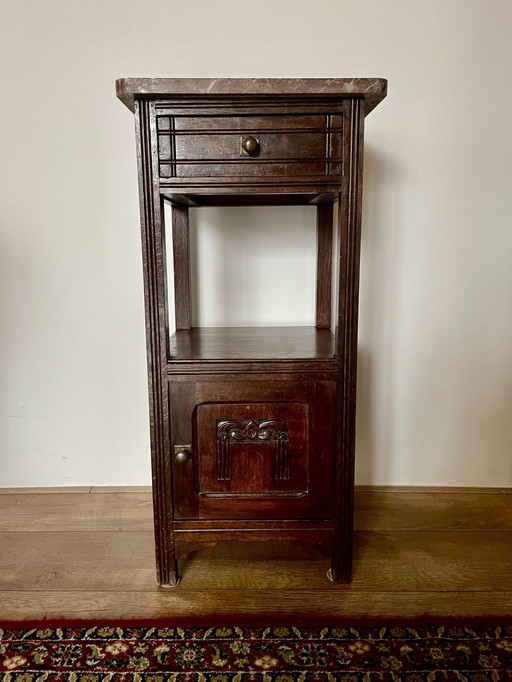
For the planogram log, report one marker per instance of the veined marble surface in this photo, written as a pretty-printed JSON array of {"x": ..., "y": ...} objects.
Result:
[{"x": 372, "y": 89}]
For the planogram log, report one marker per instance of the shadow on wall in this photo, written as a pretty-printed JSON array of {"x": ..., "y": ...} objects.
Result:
[
  {"x": 434, "y": 384},
  {"x": 379, "y": 318}
]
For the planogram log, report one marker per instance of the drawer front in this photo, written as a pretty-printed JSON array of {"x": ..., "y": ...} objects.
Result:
[
  {"x": 215, "y": 146},
  {"x": 260, "y": 449}
]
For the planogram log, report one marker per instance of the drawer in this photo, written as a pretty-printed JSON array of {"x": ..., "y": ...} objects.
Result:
[
  {"x": 238, "y": 147},
  {"x": 257, "y": 448}
]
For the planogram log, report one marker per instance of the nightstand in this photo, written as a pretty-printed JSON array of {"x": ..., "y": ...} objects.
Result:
[{"x": 252, "y": 428}]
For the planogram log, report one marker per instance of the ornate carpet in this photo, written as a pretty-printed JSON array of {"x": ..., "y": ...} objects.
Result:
[{"x": 256, "y": 654}]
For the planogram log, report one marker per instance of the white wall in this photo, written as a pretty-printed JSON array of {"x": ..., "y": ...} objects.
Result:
[{"x": 435, "y": 397}]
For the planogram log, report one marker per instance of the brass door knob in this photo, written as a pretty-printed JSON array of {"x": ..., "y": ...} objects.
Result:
[
  {"x": 182, "y": 453},
  {"x": 250, "y": 145}
]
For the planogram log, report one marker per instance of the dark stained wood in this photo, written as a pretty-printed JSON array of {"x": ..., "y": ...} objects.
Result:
[
  {"x": 349, "y": 216},
  {"x": 301, "y": 199},
  {"x": 181, "y": 257},
  {"x": 324, "y": 265},
  {"x": 248, "y": 192},
  {"x": 252, "y": 343},
  {"x": 273, "y": 147},
  {"x": 243, "y": 171},
  {"x": 253, "y": 450},
  {"x": 307, "y": 140},
  {"x": 155, "y": 298},
  {"x": 246, "y": 125},
  {"x": 246, "y": 367},
  {"x": 302, "y": 402},
  {"x": 211, "y": 146},
  {"x": 207, "y": 148}
]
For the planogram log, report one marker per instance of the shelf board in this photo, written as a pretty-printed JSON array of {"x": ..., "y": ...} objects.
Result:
[
  {"x": 237, "y": 197},
  {"x": 252, "y": 343}
]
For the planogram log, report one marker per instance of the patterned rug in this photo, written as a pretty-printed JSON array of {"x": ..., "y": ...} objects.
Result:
[{"x": 244, "y": 654}]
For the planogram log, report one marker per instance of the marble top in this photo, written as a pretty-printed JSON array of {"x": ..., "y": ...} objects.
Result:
[{"x": 372, "y": 89}]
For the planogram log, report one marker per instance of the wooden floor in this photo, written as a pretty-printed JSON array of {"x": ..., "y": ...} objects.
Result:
[{"x": 88, "y": 553}]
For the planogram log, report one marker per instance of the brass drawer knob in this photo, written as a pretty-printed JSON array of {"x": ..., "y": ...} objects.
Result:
[
  {"x": 250, "y": 145},
  {"x": 182, "y": 453}
]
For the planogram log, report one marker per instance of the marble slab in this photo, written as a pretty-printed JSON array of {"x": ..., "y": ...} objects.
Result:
[{"x": 372, "y": 89}]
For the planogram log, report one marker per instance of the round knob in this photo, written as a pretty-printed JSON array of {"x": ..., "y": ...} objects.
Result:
[
  {"x": 182, "y": 456},
  {"x": 250, "y": 145}
]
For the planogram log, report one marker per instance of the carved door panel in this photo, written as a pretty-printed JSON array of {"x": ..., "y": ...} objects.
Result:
[
  {"x": 248, "y": 448},
  {"x": 261, "y": 449}
]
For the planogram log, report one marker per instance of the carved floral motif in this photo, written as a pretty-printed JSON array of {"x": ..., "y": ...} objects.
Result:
[
  {"x": 246, "y": 430},
  {"x": 253, "y": 431}
]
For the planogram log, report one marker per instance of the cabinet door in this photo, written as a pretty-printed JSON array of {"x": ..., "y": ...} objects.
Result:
[
  {"x": 260, "y": 449},
  {"x": 252, "y": 448}
]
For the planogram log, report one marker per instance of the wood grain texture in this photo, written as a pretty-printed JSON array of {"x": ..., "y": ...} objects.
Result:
[
  {"x": 305, "y": 139},
  {"x": 377, "y": 509},
  {"x": 155, "y": 300},
  {"x": 181, "y": 259},
  {"x": 32, "y": 512},
  {"x": 489, "y": 510},
  {"x": 444, "y": 567},
  {"x": 252, "y": 343},
  {"x": 349, "y": 217},
  {"x": 383, "y": 562},
  {"x": 314, "y": 392},
  {"x": 259, "y": 606},
  {"x": 324, "y": 228}
]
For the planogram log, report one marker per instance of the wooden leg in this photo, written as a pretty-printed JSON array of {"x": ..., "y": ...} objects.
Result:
[
  {"x": 324, "y": 265},
  {"x": 349, "y": 252},
  {"x": 153, "y": 254},
  {"x": 169, "y": 577},
  {"x": 181, "y": 256},
  {"x": 341, "y": 565}
]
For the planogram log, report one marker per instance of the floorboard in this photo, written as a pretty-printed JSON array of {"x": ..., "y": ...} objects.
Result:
[{"x": 90, "y": 555}]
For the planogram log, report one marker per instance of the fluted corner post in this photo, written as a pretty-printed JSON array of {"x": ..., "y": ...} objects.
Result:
[
  {"x": 349, "y": 253},
  {"x": 155, "y": 299}
]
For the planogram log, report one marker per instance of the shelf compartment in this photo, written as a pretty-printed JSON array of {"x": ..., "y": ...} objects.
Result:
[{"x": 252, "y": 344}]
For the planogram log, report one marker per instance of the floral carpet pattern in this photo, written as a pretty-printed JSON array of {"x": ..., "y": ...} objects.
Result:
[{"x": 278, "y": 654}]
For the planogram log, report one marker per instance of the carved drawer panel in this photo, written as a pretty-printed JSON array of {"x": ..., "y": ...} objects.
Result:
[
  {"x": 252, "y": 448},
  {"x": 249, "y": 147}
]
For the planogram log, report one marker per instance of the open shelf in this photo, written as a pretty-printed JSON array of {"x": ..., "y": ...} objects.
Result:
[{"x": 252, "y": 343}]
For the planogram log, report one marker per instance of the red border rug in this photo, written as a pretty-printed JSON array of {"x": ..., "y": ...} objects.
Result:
[{"x": 126, "y": 653}]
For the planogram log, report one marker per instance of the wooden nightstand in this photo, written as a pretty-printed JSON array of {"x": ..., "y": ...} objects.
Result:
[{"x": 252, "y": 429}]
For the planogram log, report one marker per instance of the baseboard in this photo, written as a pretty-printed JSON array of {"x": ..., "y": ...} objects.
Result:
[
  {"x": 76, "y": 489},
  {"x": 360, "y": 489},
  {"x": 452, "y": 490}
]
